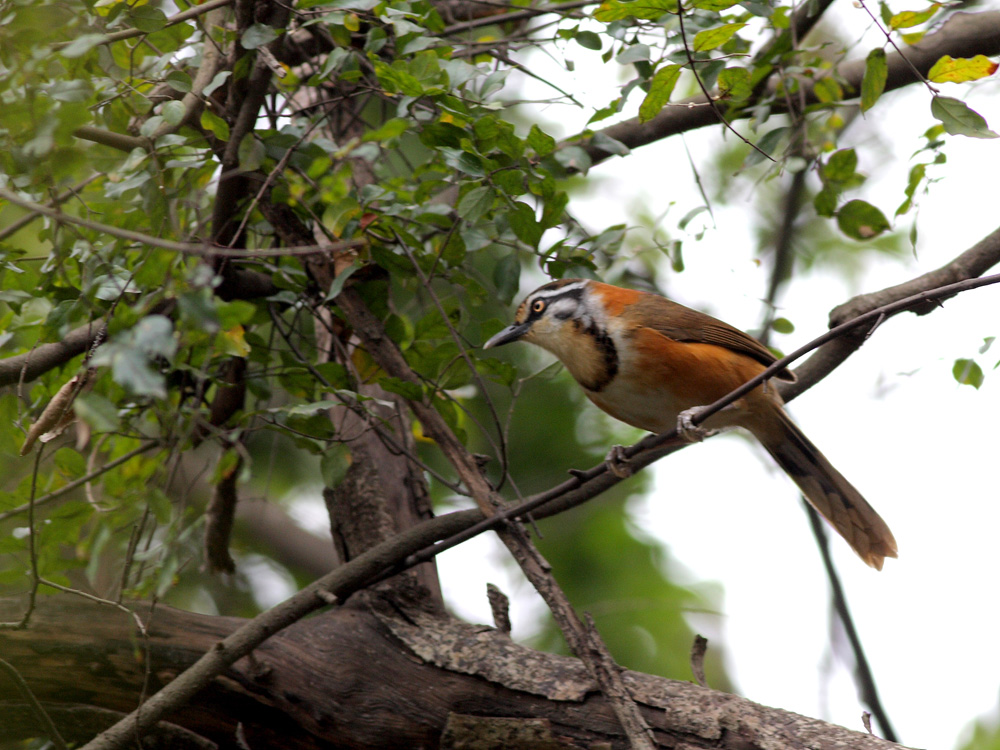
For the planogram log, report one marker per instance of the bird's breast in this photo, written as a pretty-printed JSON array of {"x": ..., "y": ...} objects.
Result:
[{"x": 658, "y": 378}]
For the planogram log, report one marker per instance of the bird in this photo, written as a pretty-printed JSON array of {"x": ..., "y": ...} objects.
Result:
[{"x": 652, "y": 363}]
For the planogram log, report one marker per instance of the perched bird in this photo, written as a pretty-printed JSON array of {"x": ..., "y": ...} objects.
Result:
[{"x": 649, "y": 362}]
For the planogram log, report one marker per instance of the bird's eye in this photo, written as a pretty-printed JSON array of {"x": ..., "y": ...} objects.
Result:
[{"x": 538, "y": 305}]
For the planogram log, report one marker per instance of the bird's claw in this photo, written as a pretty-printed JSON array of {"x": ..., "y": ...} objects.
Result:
[
  {"x": 618, "y": 463},
  {"x": 686, "y": 428}
]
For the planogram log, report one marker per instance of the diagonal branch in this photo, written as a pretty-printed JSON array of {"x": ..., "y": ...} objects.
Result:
[{"x": 968, "y": 265}]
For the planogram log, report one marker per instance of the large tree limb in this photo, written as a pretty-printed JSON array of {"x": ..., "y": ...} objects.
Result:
[
  {"x": 964, "y": 35},
  {"x": 357, "y": 679}
]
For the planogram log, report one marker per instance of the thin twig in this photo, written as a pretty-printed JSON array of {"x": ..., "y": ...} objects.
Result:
[
  {"x": 70, "y": 486},
  {"x": 188, "y": 248},
  {"x": 704, "y": 90},
  {"x": 518, "y": 15},
  {"x": 460, "y": 343},
  {"x": 40, "y": 713},
  {"x": 888, "y": 37},
  {"x": 869, "y": 691}
]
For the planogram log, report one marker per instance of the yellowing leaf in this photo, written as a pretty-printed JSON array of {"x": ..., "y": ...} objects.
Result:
[
  {"x": 649, "y": 10},
  {"x": 909, "y": 18},
  {"x": 961, "y": 69},
  {"x": 233, "y": 343},
  {"x": 967, "y": 372}
]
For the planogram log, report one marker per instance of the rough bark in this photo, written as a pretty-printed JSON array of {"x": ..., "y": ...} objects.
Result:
[{"x": 353, "y": 678}]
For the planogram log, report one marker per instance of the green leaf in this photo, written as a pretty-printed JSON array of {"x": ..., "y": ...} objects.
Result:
[
  {"x": 258, "y": 35},
  {"x": 97, "y": 411},
  {"x": 734, "y": 83},
  {"x": 768, "y": 144},
  {"x": 340, "y": 279},
  {"x": 633, "y": 53},
  {"x": 215, "y": 124},
  {"x": 917, "y": 174},
  {"x": 389, "y": 130},
  {"x": 507, "y": 277},
  {"x": 712, "y": 38},
  {"x": 588, "y": 40},
  {"x": 660, "y": 89},
  {"x": 873, "y": 83},
  {"x": 967, "y": 372},
  {"x": 861, "y": 220},
  {"x": 609, "y": 145},
  {"x": 333, "y": 465},
  {"x": 525, "y": 225},
  {"x": 827, "y": 90},
  {"x": 251, "y": 153},
  {"x": 540, "y": 142},
  {"x": 714, "y": 6},
  {"x": 81, "y": 45},
  {"x": 840, "y": 167},
  {"x": 409, "y": 391},
  {"x": 958, "y": 119},
  {"x": 475, "y": 203},
  {"x": 648, "y": 10},
  {"x": 782, "y": 325},
  {"x": 959, "y": 70},
  {"x": 147, "y": 18},
  {"x": 173, "y": 112},
  {"x": 497, "y": 370}
]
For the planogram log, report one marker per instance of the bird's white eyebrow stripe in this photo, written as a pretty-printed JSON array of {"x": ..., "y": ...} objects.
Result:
[{"x": 559, "y": 291}]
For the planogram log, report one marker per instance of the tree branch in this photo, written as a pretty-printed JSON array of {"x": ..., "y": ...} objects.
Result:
[
  {"x": 385, "y": 681},
  {"x": 963, "y": 35},
  {"x": 44, "y": 357},
  {"x": 968, "y": 265}
]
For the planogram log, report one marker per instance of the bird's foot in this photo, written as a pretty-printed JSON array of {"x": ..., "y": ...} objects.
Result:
[
  {"x": 618, "y": 463},
  {"x": 686, "y": 428}
]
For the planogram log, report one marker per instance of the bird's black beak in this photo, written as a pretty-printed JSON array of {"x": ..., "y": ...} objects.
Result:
[{"x": 510, "y": 333}]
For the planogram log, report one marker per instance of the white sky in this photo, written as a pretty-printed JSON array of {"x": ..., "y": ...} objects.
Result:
[{"x": 920, "y": 447}]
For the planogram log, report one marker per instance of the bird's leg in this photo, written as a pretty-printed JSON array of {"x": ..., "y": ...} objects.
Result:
[
  {"x": 618, "y": 463},
  {"x": 691, "y": 432}
]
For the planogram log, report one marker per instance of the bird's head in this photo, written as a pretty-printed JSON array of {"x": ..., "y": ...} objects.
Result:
[{"x": 551, "y": 317}]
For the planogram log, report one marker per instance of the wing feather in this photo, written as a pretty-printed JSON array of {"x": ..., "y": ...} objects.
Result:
[{"x": 681, "y": 323}]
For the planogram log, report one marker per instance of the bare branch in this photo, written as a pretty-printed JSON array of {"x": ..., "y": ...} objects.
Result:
[
  {"x": 36, "y": 707},
  {"x": 964, "y": 35},
  {"x": 44, "y": 357},
  {"x": 968, "y": 265}
]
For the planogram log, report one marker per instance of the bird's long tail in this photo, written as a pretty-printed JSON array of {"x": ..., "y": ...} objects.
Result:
[{"x": 827, "y": 491}]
